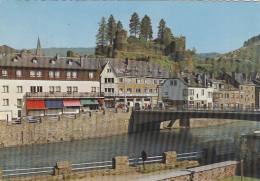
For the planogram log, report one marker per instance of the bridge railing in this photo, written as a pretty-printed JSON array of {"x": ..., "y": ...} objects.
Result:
[{"x": 215, "y": 109}]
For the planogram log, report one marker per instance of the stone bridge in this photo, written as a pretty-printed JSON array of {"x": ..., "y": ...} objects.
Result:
[{"x": 151, "y": 120}]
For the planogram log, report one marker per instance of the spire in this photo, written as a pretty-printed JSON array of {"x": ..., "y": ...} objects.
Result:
[{"x": 39, "y": 49}]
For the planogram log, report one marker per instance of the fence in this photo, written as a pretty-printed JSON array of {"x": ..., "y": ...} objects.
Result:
[{"x": 94, "y": 165}]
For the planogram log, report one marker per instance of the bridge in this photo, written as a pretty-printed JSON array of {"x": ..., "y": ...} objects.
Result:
[{"x": 145, "y": 120}]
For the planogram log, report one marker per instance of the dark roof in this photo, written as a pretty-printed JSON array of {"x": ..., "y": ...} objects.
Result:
[
  {"x": 189, "y": 79},
  {"x": 45, "y": 62},
  {"x": 137, "y": 68}
]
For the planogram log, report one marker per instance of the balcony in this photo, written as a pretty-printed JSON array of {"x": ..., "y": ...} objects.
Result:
[{"x": 63, "y": 94}]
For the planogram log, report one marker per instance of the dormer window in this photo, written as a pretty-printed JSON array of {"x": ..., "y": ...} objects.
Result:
[
  {"x": 159, "y": 72},
  {"x": 15, "y": 59},
  {"x": 52, "y": 61},
  {"x": 150, "y": 71},
  {"x": 34, "y": 60},
  {"x": 70, "y": 61}
]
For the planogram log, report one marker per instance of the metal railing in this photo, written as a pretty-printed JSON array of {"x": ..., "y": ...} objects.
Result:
[
  {"x": 189, "y": 156},
  {"x": 91, "y": 166},
  {"x": 151, "y": 159},
  {"x": 63, "y": 94},
  {"x": 27, "y": 171}
]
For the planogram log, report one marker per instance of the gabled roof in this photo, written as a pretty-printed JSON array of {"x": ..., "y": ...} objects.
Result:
[{"x": 137, "y": 68}]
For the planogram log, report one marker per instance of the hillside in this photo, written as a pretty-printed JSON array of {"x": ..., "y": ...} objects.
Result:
[
  {"x": 203, "y": 56},
  {"x": 63, "y": 51},
  {"x": 7, "y": 49}
]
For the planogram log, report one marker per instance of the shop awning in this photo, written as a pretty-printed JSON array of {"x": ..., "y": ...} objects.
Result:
[
  {"x": 71, "y": 103},
  {"x": 88, "y": 101},
  {"x": 54, "y": 103},
  {"x": 35, "y": 105},
  {"x": 100, "y": 100}
]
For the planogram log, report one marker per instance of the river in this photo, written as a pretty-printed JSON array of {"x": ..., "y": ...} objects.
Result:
[{"x": 104, "y": 149}]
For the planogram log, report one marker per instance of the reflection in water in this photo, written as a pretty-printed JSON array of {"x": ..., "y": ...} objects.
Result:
[{"x": 103, "y": 149}]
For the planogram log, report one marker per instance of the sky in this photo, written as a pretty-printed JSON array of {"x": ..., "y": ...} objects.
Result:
[{"x": 208, "y": 26}]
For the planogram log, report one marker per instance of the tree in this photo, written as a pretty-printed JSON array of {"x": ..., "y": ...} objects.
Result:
[
  {"x": 146, "y": 28},
  {"x": 119, "y": 26},
  {"x": 111, "y": 29},
  {"x": 168, "y": 36},
  {"x": 134, "y": 24},
  {"x": 101, "y": 35},
  {"x": 161, "y": 31}
]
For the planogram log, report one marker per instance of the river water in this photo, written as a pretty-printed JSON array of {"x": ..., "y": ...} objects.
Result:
[{"x": 104, "y": 149}]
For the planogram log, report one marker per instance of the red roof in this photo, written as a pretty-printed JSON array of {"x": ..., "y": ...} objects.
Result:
[
  {"x": 71, "y": 103},
  {"x": 35, "y": 105}
]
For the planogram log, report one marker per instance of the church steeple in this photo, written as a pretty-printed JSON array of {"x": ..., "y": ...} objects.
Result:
[{"x": 39, "y": 49}]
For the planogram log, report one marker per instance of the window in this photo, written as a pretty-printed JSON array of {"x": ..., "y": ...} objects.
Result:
[
  {"x": 241, "y": 96},
  {"x": 221, "y": 86},
  {"x": 175, "y": 82},
  {"x": 252, "y": 96},
  {"x": 19, "y": 102},
  {"x": 221, "y": 96},
  {"x": 5, "y": 89},
  {"x": 18, "y": 73},
  {"x": 151, "y": 81},
  {"x": 51, "y": 89},
  {"x": 226, "y": 95},
  {"x": 19, "y": 89},
  {"x": 150, "y": 90},
  {"x": 155, "y": 91},
  {"x": 121, "y": 80},
  {"x": 91, "y": 75},
  {"x": 138, "y": 90},
  {"x": 109, "y": 80},
  {"x": 4, "y": 73},
  {"x": 39, "y": 73},
  {"x": 202, "y": 92},
  {"x": 39, "y": 88},
  {"x": 232, "y": 105},
  {"x": 74, "y": 74},
  {"x": 69, "y": 89},
  {"x": 108, "y": 70},
  {"x": 209, "y": 94},
  {"x": 129, "y": 90},
  {"x": 57, "y": 88},
  {"x": 5, "y": 102},
  {"x": 145, "y": 90},
  {"x": 155, "y": 82},
  {"x": 241, "y": 88},
  {"x": 191, "y": 92},
  {"x": 197, "y": 95},
  {"x": 232, "y": 96},
  {"x": 109, "y": 90},
  {"x": 138, "y": 81},
  {"x": 33, "y": 89},
  {"x": 171, "y": 82},
  {"x": 93, "y": 89},
  {"x": 51, "y": 74},
  {"x": 185, "y": 92},
  {"x": 32, "y": 73},
  {"x": 57, "y": 74},
  {"x": 69, "y": 74},
  {"x": 166, "y": 93},
  {"x": 252, "y": 88},
  {"x": 75, "y": 89},
  {"x": 215, "y": 86},
  {"x": 129, "y": 81},
  {"x": 145, "y": 81},
  {"x": 121, "y": 90}
]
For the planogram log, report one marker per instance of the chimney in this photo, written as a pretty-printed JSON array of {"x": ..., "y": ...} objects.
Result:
[
  {"x": 81, "y": 61},
  {"x": 244, "y": 76},
  {"x": 57, "y": 56},
  {"x": 127, "y": 61},
  {"x": 22, "y": 54}
]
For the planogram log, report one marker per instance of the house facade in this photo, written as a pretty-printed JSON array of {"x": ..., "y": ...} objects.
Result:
[{"x": 38, "y": 85}]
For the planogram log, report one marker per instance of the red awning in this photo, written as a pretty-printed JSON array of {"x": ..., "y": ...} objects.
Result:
[
  {"x": 35, "y": 105},
  {"x": 100, "y": 100},
  {"x": 71, "y": 103}
]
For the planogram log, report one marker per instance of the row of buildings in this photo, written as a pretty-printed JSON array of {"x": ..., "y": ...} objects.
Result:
[{"x": 38, "y": 85}]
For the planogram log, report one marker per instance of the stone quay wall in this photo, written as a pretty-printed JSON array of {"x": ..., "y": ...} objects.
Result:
[{"x": 77, "y": 127}]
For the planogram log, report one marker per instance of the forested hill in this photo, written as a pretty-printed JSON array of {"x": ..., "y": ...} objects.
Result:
[
  {"x": 252, "y": 41},
  {"x": 203, "y": 56},
  {"x": 63, "y": 51}
]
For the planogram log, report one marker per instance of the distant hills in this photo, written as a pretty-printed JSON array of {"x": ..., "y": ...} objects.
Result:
[
  {"x": 203, "y": 56},
  {"x": 6, "y": 49},
  {"x": 63, "y": 51}
]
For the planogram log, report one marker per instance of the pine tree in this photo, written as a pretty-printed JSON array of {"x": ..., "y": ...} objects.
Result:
[
  {"x": 111, "y": 29},
  {"x": 101, "y": 35},
  {"x": 168, "y": 36},
  {"x": 146, "y": 28},
  {"x": 119, "y": 26},
  {"x": 134, "y": 24},
  {"x": 161, "y": 31}
]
